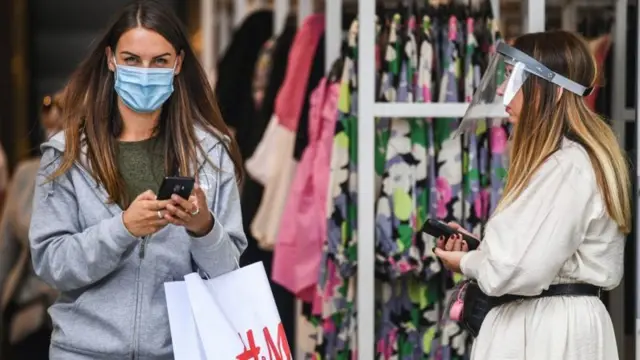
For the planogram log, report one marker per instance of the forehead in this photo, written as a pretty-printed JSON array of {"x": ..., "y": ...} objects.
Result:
[{"x": 144, "y": 42}]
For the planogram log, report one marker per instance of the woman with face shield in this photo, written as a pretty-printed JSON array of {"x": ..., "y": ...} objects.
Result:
[
  {"x": 138, "y": 109},
  {"x": 556, "y": 238}
]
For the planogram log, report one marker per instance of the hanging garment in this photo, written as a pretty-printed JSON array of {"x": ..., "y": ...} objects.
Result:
[
  {"x": 235, "y": 75},
  {"x": 402, "y": 204},
  {"x": 259, "y": 166},
  {"x": 475, "y": 194},
  {"x": 298, "y": 251},
  {"x": 252, "y": 191},
  {"x": 336, "y": 326},
  {"x": 288, "y": 110},
  {"x": 278, "y": 59},
  {"x": 262, "y": 70}
]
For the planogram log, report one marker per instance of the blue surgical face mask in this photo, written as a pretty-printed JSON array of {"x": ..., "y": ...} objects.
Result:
[{"x": 143, "y": 90}]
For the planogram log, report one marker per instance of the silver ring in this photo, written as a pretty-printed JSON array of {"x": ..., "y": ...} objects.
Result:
[
  {"x": 196, "y": 212},
  {"x": 160, "y": 215}
]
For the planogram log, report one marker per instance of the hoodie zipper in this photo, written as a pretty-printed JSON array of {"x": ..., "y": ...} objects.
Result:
[{"x": 136, "y": 324}]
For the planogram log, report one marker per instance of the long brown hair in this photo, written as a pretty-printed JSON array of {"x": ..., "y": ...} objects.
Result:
[
  {"x": 91, "y": 104},
  {"x": 548, "y": 115}
]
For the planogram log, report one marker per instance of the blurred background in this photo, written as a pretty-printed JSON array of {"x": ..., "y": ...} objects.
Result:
[{"x": 42, "y": 42}]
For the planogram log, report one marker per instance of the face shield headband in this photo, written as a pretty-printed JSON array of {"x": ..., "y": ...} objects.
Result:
[{"x": 507, "y": 71}]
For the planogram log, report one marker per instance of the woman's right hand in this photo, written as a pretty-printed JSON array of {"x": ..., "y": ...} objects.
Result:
[
  {"x": 144, "y": 216},
  {"x": 457, "y": 227},
  {"x": 455, "y": 242}
]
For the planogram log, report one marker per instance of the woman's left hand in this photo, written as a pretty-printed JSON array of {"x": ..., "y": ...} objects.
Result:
[
  {"x": 450, "y": 259},
  {"x": 191, "y": 213}
]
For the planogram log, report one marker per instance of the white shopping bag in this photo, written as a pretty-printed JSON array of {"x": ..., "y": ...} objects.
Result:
[
  {"x": 236, "y": 316},
  {"x": 184, "y": 334}
]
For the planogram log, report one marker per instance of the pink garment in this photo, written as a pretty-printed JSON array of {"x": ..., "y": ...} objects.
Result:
[
  {"x": 303, "y": 227},
  {"x": 288, "y": 108},
  {"x": 290, "y": 97}
]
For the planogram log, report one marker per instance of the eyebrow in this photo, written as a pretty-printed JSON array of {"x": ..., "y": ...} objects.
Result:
[{"x": 136, "y": 55}]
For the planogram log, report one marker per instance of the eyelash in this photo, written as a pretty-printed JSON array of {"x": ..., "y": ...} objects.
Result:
[{"x": 134, "y": 60}]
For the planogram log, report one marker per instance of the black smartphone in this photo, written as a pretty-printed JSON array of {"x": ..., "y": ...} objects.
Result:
[
  {"x": 181, "y": 186},
  {"x": 437, "y": 228}
]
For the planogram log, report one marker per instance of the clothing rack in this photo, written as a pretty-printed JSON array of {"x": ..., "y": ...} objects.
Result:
[{"x": 368, "y": 111}]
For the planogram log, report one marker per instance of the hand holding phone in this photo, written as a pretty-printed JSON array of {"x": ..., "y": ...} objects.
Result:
[
  {"x": 189, "y": 209},
  {"x": 179, "y": 185},
  {"x": 141, "y": 217},
  {"x": 437, "y": 229}
]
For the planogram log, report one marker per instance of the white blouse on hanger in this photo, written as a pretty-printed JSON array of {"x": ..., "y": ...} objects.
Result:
[{"x": 556, "y": 231}]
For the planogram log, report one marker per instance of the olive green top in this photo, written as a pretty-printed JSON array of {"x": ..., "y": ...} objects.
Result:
[{"x": 141, "y": 165}]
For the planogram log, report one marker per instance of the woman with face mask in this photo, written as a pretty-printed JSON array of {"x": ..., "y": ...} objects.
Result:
[
  {"x": 557, "y": 236},
  {"x": 139, "y": 108},
  {"x": 24, "y": 324}
]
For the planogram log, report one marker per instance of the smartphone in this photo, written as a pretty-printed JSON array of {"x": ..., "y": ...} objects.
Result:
[
  {"x": 437, "y": 228},
  {"x": 181, "y": 186}
]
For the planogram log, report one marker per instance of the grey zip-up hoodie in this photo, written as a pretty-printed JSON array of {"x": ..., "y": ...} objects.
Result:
[{"x": 112, "y": 304}]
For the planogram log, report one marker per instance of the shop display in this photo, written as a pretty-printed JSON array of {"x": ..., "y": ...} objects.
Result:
[{"x": 423, "y": 56}]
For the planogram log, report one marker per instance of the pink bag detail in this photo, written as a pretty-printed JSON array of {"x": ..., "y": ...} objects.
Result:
[{"x": 457, "y": 306}]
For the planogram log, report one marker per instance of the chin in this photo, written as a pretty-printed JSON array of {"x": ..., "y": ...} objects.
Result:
[{"x": 512, "y": 119}]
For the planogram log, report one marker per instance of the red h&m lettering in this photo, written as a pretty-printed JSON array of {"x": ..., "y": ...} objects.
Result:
[
  {"x": 253, "y": 352},
  {"x": 281, "y": 351},
  {"x": 278, "y": 350}
]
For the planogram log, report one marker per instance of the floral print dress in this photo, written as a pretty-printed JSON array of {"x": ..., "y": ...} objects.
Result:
[{"x": 425, "y": 172}]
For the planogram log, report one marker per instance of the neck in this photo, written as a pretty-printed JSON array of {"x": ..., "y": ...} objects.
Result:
[{"x": 137, "y": 126}]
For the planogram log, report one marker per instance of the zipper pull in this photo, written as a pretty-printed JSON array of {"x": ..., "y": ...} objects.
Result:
[{"x": 143, "y": 245}]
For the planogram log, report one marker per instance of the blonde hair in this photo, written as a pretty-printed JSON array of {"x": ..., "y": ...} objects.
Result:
[{"x": 548, "y": 115}]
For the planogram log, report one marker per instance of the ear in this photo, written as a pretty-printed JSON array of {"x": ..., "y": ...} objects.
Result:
[
  {"x": 559, "y": 92},
  {"x": 110, "y": 58},
  {"x": 179, "y": 62}
]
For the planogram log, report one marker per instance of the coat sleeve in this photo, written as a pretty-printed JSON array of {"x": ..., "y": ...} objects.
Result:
[
  {"x": 64, "y": 254},
  {"x": 528, "y": 242},
  {"x": 218, "y": 252}
]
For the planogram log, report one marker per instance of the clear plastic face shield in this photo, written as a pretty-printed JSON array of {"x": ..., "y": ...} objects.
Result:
[{"x": 507, "y": 71}]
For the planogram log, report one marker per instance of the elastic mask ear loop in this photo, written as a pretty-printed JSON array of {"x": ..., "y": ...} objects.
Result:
[
  {"x": 175, "y": 65},
  {"x": 115, "y": 71}
]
